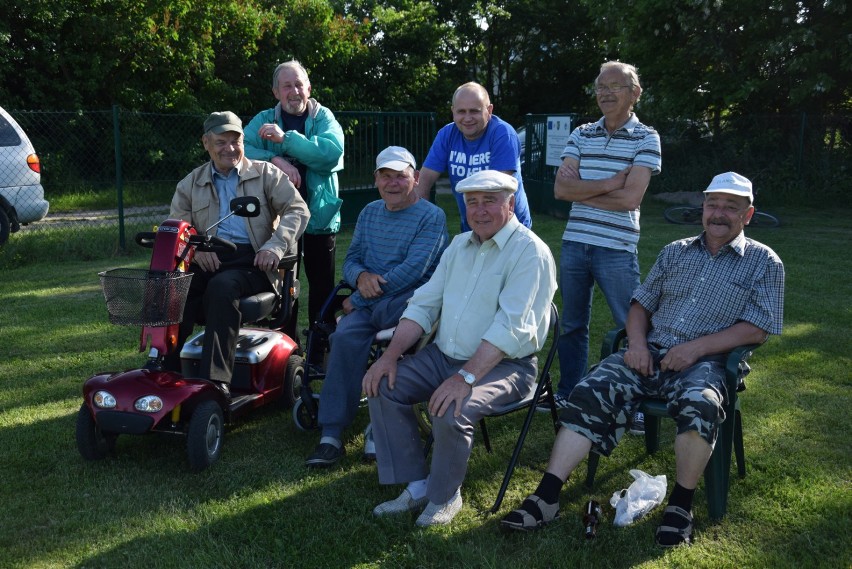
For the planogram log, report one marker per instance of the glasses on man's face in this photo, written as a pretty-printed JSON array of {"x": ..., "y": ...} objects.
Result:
[{"x": 599, "y": 89}]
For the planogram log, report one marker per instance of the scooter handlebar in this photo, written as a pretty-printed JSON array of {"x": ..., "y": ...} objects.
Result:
[
  {"x": 212, "y": 244},
  {"x": 145, "y": 239}
]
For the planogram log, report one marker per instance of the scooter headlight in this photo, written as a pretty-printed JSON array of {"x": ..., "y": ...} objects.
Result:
[
  {"x": 104, "y": 400},
  {"x": 149, "y": 404}
]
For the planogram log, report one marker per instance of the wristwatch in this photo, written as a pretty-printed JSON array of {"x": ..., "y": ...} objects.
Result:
[{"x": 468, "y": 377}]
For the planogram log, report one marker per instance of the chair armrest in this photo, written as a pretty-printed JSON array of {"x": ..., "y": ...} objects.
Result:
[
  {"x": 736, "y": 366},
  {"x": 612, "y": 341}
]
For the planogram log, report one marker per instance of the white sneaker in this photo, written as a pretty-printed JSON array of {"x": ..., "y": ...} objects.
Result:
[
  {"x": 401, "y": 504},
  {"x": 369, "y": 444},
  {"x": 440, "y": 514}
]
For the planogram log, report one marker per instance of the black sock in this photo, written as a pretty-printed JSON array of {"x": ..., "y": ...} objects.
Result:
[
  {"x": 682, "y": 497},
  {"x": 549, "y": 488}
]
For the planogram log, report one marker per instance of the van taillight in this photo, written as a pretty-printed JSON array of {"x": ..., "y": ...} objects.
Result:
[{"x": 33, "y": 163}]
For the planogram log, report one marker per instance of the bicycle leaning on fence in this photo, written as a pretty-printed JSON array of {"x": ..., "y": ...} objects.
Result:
[{"x": 691, "y": 215}]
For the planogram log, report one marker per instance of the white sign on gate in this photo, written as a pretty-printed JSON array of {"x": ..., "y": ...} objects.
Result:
[{"x": 558, "y": 129}]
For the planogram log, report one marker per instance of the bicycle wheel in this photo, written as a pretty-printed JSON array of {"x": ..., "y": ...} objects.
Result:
[
  {"x": 683, "y": 215},
  {"x": 762, "y": 219}
]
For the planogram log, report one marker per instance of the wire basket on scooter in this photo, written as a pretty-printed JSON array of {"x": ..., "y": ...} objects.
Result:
[{"x": 139, "y": 297}]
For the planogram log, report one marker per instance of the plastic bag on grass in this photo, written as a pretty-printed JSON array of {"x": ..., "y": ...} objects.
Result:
[{"x": 643, "y": 495}]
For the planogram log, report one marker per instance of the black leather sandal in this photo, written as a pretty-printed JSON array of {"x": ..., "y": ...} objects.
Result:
[
  {"x": 533, "y": 514},
  {"x": 680, "y": 535}
]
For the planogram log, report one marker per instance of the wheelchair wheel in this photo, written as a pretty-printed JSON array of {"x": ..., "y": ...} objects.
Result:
[
  {"x": 762, "y": 219},
  {"x": 424, "y": 420},
  {"x": 306, "y": 419},
  {"x": 683, "y": 215},
  {"x": 294, "y": 377}
]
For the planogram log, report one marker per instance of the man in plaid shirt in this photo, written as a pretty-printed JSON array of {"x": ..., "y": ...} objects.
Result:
[{"x": 703, "y": 297}]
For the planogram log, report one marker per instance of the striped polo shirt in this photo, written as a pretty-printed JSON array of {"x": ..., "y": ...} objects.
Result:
[{"x": 602, "y": 155}]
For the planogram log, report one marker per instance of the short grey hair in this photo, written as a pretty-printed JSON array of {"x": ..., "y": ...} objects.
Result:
[
  {"x": 292, "y": 64},
  {"x": 626, "y": 69}
]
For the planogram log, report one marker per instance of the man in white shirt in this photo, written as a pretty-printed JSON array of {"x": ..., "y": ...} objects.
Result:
[{"x": 492, "y": 292}]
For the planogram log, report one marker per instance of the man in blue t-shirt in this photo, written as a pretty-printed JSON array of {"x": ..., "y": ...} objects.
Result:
[
  {"x": 475, "y": 140},
  {"x": 396, "y": 246}
]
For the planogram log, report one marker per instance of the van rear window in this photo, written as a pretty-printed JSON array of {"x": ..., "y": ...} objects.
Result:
[{"x": 8, "y": 134}]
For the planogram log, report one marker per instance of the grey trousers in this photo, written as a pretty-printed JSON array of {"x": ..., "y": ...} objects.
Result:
[{"x": 399, "y": 451}]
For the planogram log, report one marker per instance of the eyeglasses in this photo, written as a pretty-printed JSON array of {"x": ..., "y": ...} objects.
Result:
[{"x": 610, "y": 88}]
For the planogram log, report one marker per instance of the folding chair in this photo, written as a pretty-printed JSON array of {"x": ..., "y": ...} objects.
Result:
[
  {"x": 543, "y": 392},
  {"x": 718, "y": 470}
]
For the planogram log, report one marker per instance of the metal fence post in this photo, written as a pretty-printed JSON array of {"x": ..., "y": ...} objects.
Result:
[
  {"x": 801, "y": 145},
  {"x": 119, "y": 183}
]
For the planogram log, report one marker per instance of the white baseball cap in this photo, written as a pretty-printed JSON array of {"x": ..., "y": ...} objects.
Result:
[
  {"x": 488, "y": 181},
  {"x": 731, "y": 183},
  {"x": 396, "y": 158}
]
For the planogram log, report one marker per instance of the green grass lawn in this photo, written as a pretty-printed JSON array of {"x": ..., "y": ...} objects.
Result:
[{"x": 259, "y": 507}]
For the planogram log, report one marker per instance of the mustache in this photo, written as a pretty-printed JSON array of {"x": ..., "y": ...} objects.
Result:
[{"x": 719, "y": 221}]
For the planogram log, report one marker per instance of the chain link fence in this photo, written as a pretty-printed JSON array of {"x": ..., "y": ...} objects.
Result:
[
  {"x": 791, "y": 159},
  {"x": 109, "y": 174}
]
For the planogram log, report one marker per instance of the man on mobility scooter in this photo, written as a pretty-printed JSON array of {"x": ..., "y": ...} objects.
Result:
[
  {"x": 396, "y": 246},
  {"x": 221, "y": 279}
]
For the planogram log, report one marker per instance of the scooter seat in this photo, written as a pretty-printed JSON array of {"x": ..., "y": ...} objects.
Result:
[{"x": 257, "y": 306}]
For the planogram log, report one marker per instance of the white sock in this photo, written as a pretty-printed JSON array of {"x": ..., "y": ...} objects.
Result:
[
  {"x": 336, "y": 443},
  {"x": 417, "y": 489}
]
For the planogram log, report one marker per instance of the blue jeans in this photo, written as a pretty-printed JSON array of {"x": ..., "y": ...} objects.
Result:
[{"x": 581, "y": 266}]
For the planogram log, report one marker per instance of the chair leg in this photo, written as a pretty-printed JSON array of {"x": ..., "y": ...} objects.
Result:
[
  {"x": 652, "y": 433},
  {"x": 739, "y": 449},
  {"x": 485, "y": 439},
  {"x": 516, "y": 453},
  {"x": 591, "y": 468},
  {"x": 717, "y": 474}
]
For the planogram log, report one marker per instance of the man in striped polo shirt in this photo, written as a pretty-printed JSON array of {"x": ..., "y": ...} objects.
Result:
[{"x": 606, "y": 167}]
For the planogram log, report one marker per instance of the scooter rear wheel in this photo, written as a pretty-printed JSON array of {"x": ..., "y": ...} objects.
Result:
[
  {"x": 92, "y": 443},
  {"x": 204, "y": 436}
]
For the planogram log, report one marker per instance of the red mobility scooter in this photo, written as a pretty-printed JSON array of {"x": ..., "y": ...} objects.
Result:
[{"x": 268, "y": 364}]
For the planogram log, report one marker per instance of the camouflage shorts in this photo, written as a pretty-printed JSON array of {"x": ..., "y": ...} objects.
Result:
[{"x": 601, "y": 405}]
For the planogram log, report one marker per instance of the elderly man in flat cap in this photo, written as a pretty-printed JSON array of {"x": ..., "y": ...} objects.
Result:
[
  {"x": 704, "y": 296},
  {"x": 492, "y": 292},
  {"x": 221, "y": 279}
]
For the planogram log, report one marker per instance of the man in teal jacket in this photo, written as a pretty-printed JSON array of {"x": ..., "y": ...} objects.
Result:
[{"x": 303, "y": 139}]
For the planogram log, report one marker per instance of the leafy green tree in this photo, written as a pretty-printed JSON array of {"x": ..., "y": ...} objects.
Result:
[{"x": 710, "y": 57}]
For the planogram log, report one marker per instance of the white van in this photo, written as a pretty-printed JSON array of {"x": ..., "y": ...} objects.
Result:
[{"x": 21, "y": 195}]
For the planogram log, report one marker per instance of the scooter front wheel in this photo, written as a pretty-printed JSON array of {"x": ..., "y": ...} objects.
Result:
[
  {"x": 92, "y": 443},
  {"x": 204, "y": 436}
]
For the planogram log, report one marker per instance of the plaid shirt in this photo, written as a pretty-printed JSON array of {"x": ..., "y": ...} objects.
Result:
[{"x": 691, "y": 294}]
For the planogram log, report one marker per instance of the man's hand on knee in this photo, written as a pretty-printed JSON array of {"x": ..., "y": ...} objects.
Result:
[
  {"x": 207, "y": 260},
  {"x": 452, "y": 390},
  {"x": 383, "y": 367},
  {"x": 680, "y": 357},
  {"x": 639, "y": 359}
]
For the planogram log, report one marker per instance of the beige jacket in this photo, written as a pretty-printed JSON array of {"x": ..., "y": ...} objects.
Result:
[{"x": 283, "y": 213}]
